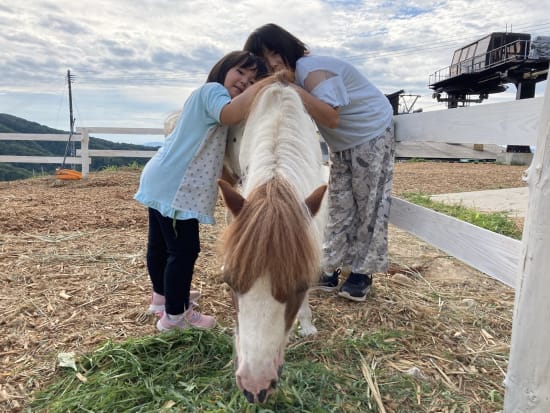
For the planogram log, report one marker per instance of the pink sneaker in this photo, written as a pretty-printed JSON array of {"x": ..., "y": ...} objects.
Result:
[
  {"x": 188, "y": 319},
  {"x": 157, "y": 302}
]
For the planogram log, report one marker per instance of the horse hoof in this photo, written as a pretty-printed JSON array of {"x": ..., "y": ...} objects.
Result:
[{"x": 307, "y": 331}]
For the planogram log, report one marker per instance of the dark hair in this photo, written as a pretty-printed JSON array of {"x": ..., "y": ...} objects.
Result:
[
  {"x": 242, "y": 59},
  {"x": 278, "y": 40}
]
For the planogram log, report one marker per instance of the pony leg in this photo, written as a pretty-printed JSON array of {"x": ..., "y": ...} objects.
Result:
[{"x": 304, "y": 318}]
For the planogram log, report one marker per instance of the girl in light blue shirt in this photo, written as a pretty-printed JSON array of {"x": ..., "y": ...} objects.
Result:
[
  {"x": 356, "y": 121},
  {"x": 179, "y": 185}
]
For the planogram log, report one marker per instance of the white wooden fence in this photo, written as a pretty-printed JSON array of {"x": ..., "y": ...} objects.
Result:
[
  {"x": 508, "y": 123},
  {"x": 84, "y": 154},
  {"x": 523, "y": 265}
]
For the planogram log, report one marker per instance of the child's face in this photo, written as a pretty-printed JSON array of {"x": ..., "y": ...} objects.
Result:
[
  {"x": 274, "y": 61},
  {"x": 238, "y": 79}
]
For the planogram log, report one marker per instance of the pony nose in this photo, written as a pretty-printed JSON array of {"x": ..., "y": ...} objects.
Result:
[
  {"x": 249, "y": 396},
  {"x": 262, "y": 395}
]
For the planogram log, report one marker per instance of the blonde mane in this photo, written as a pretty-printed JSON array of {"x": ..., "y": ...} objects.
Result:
[{"x": 273, "y": 234}]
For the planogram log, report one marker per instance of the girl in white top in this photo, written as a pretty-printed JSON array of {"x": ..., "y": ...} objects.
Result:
[
  {"x": 179, "y": 185},
  {"x": 356, "y": 121}
]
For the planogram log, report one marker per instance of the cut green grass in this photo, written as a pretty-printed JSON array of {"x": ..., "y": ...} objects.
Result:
[
  {"x": 497, "y": 222},
  {"x": 192, "y": 371}
]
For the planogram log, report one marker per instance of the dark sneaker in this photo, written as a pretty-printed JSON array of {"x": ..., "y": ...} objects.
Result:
[
  {"x": 328, "y": 283},
  {"x": 356, "y": 287}
]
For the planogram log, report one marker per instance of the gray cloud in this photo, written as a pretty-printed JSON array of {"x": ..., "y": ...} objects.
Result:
[
  {"x": 136, "y": 59},
  {"x": 62, "y": 24}
]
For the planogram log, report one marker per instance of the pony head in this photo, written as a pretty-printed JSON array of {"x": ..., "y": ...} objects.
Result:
[{"x": 269, "y": 256}]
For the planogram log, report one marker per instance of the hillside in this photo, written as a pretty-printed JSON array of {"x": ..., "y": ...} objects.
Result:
[{"x": 13, "y": 124}]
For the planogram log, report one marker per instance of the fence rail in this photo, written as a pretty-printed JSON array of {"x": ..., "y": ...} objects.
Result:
[
  {"x": 84, "y": 154},
  {"x": 500, "y": 123}
]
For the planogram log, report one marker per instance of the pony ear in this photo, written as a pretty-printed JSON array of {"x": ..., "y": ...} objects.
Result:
[
  {"x": 233, "y": 200},
  {"x": 313, "y": 202}
]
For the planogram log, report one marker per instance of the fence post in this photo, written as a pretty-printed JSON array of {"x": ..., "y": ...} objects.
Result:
[
  {"x": 84, "y": 154},
  {"x": 527, "y": 379}
]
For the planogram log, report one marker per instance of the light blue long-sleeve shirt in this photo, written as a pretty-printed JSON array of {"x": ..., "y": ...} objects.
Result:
[{"x": 180, "y": 180}]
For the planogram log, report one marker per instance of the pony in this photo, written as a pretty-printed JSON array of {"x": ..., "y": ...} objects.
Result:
[
  {"x": 271, "y": 247},
  {"x": 272, "y": 244}
]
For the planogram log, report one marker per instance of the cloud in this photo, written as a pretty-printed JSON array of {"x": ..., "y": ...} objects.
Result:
[{"x": 135, "y": 60}]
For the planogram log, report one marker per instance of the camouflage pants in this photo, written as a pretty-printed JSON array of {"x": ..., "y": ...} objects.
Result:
[{"x": 359, "y": 200}]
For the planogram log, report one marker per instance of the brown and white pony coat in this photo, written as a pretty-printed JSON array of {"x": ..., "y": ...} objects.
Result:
[{"x": 271, "y": 248}]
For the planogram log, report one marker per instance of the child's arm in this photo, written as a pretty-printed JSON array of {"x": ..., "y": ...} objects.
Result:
[
  {"x": 237, "y": 110},
  {"x": 320, "y": 111}
]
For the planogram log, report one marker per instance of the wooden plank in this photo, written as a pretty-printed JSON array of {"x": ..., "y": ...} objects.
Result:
[
  {"x": 527, "y": 384},
  {"x": 122, "y": 131},
  {"x": 38, "y": 137},
  {"x": 39, "y": 159},
  {"x": 119, "y": 153},
  {"x": 507, "y": 123},
  {"x": 486, "y": 251}
]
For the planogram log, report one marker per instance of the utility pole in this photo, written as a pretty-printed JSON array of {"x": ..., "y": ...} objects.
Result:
[
  {"x": 71, "y": 119},
  {"x": 70, "y": 144},
  {"x": 61, "y": 172}
]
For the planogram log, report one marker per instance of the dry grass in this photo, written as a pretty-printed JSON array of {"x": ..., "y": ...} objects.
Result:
[{"x": 72, "y": 275}]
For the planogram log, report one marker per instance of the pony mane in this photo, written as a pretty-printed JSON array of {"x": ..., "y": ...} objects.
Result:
[
  {"x": 271, "y": 235},
  {"x": 284, "y": 141}
]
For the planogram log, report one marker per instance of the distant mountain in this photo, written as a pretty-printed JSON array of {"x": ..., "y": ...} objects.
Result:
[
  {"x": 9, "y": 123},
  {"x": 154, "y": 144},
  {"x": 13, "y": 124}
]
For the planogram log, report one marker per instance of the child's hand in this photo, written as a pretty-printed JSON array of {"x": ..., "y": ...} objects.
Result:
[{"x": 284, "y": 76}]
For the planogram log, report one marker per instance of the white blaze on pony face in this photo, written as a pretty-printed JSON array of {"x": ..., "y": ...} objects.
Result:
[{"x": 260, "y": 340}]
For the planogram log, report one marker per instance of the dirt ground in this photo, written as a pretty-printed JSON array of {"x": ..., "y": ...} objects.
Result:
[{"x": 72, "y": 275}]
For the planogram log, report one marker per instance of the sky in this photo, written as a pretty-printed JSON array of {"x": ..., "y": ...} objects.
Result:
[{"x": 133, "y": 62}]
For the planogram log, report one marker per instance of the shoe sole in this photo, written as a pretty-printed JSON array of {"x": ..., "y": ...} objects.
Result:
[
  {"x": 347, "y": 295},
  {"x": 204, "y": 328},
  {"x": 161, "y": 328},
  {"x": 324, "y": 288}
]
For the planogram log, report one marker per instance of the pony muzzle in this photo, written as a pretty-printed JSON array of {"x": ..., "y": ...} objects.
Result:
[{"x": 262, "y": 395}]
